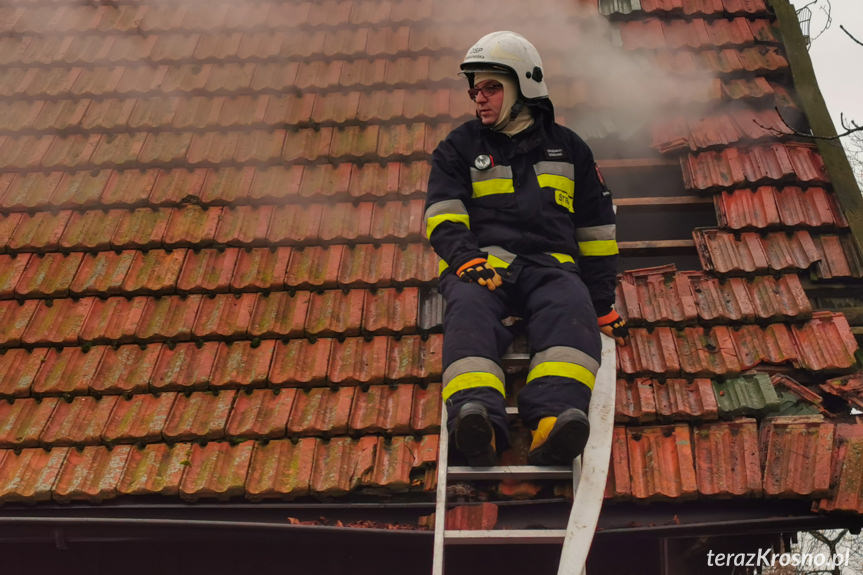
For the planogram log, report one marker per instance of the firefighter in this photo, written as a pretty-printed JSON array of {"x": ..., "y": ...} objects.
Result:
[{"x": 523, "y": 223}]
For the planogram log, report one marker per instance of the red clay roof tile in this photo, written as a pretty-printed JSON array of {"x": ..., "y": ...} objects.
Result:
[
  {"x": 15, "y": 316},
  {"x": 321, "y": 412},
  {"x": 48, "y": 275},
  {"x": 710, "y": 352},
  {"x": 242, "y": 363},
  {"x": 300, "y": 362},
  {"x": 11, "y": 269},
  {"x": 129, "y": 187},
  {"x": 618, "y": 483},
  {"x": 727, "y": 461},
  {"x": 168, "y": 317},
  {"x": 216, "y": 470},
  {"x": 184, "y": 366},
  {"x": 826, "y": 343},
  {"x": 28, "y": 191},
  {"x": 661, "y": 462},
  {"x": 165, "y": 147},
  {"x": 340, "y": 464},
  {"x": 847, "y": 462},
  {"x": 276, "y": 183},
  {"x": 378, "y": 105},
  {"x": 281, "y": 468},
  {"x": 22, "y": 422},
  {"x": 374, "y": 180},
  {"x": 401, "y": 139},
  {"x": 363, "y": 265},
  {"x": 30, "y": 474},
  {"x": 108, "y": 113},
  {"x": 317, "y": 74},
  {"x": 226, "y": 315},
  {"x": 325, "y": 180},
  {"x": 199, "y": 416},
  {"x": 208, "y": 270},
  {"x": 796, "y": 456},
  {"x": 126, "y": 369},
  {"x": 26, "y": 151},
  {"x": 197, "y": 111},
  {"x": 91, "y": 474},
  {"x": 57, "y": 321},
  {"x": 18, "y": 368},
  {"x": 101, "y": 273},
  {"x": 113, "y": 319},
  {"x": 227, "y": 185},
  {"x": 414, "y": 358},
  {"x": 39, "y": 231},
  {"x": 152, "y": 113},
  {"x": 139, "y": 418},
  {"x": 293, "y": 223},
  {"x": 347, "y": 222},
  {"x": 314, "y": 267},
  {"x": 394, "y": 461},
  {"x": 391, "y": 310},
  {"x": 155, "y": 469},
  {"x": 142, "y": 228},
  {"x": 426, "y": 409},
  {"x": 91, "y": 230},
  {"x": 353, "y": 141},
  {"x": 261, "y": 269},
  {"x": 356, "y": 361},
  {"x": 260, "y": 146},
  {"x": 79, "y": 421},
  {"x": 364, "y": 72},
  {"x": 398, "y": 220},
  {"x": 8, "y": 223},
  {"x": 177, "y": 186},
  {"x": 154, "y": 271},
  {"x": 244, "y": 225},
  {"x": 260, "y": 45},
  {"x": 335, "y": 313},
  {"x": 382, "y": 409},
  {"x": 279, "y": 314},
  {"x": 261, "y": 413},
  {"x": 192, "y": 225}
]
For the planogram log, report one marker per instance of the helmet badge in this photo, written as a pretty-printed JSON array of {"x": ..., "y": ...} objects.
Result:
[{"x": 483, "y": 162}]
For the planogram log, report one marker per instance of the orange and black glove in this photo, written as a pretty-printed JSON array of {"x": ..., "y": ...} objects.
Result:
[
  {"x": 612, "y": 325},
  {"x": 478, "y": 271}
]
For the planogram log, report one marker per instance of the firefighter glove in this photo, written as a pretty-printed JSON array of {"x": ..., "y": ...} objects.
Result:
[
  {"x": 612, "y": 325},
  {"x": 478, "y": 271}
]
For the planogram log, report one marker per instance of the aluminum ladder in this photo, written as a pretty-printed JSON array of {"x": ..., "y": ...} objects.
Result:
[{"x": 588, "y": 472}]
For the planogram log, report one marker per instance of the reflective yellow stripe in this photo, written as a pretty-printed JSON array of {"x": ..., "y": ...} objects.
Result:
[
  {"x": 556, "y": 182},
  {"x": 435, "y": 221},
  {"x": 562, "y": 369},
  {"x": 562, "y": 258},
  {"x": 472, "y": 380},
  {"x": 598, "y": 248},
  {"x": 441, "y": 266},
  {"x": 496, "y": 262},
  {"x": 491, "y": 187}
]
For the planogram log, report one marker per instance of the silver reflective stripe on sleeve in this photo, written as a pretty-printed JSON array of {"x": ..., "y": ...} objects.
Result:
[
  {"x": 596, "y": 233},
  {"x": 446, "y": 211}
]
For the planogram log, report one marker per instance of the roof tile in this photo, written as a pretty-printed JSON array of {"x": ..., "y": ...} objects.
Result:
[
  {"x": 79, "y": 421},
  {"x": 192, "y": 225},
  {"x": 113, "y": 319},
  {"x": 355, "y": 141},
  {"x": 847, "y": 462},
  {"x": 382, "y": 409},
  {"x": 796, "y": 452},
  {"x": 126, "y": 369},
  {"x": 108, "y": 113},
  {"x": 276, "y": 183},
  {"x": 309, "y": 144},
  {"x": 48, "y": 275},
  {"x": 325, "y": 180},
  {"x": 727, "y": 461},
  {"x": 618, "y": 483},
  {"x": 301, "y": 362},
  {"x": 8, "y": 223},
  {"x": 27, "y": 151},
  {"x": 356, "y": 361},
  {"x": 199, "y": 416},
  {"x": 261, "y": 413},
  {"x": 290, "y": 108},
  {"x": 260, "y": 146},
  {"x": 364, "y": 72},
  {"x": 242, "y": 363},
  {"x": 749, "y": 394},
  {"x": 244, "y": 225},
  {"x": 315, "y": 267},
  {"x": 198, "y": 111},
  {"x": 261, "y": 269},
  {"x": 347, "y": 222},
  {"x": 168, "y": 317},
  {"x": 60, "y": 115},
  {"x": 92, "y": 473},
  {"x": 297, "y": 224},
  {"x": 150, "y": 112},
  {"x": 139, "y": 418},
  {"x": 710, "y": 352},
  {"x": 279, "y": 314},
  {"x": 226, "y": 315},
  {"x": 364, "y": 265},
  {"x": 401, "y": 139},
  {"x": 217, "y": 470},
  {"x": 30, "y": 474},
  {"x": 18, "y": 368},
  {"x": 382, "y": 106},
  {"x": 39, "y": 231},
  {"x": 155, "y": 469},
  {"x": 426, "y": 409},
  {"x": 29, "y": 190},
  {"x": 119, "y": 149},
  {"x": 129, "y": 187},
  {"x": 208, "y": 270},
  {"x": 91, "y": 230},
  {"x": 661, "y": 462},
  {"x": 15, "y": 316},
  {"x": 22, "y": 422},
  {"x": 335, "y": 313},
  {"x": 654, "y": 352},
  {"x": 281, "y": 468},
  {"x": 321, "y": 412},
  {"x": 413, "y": 358},
  {"x": 184, "y": 366},
  {"x": 340, "y": 464},
  {"x": 391, "y": 310},
  {"x": 142, "y": 228},
  {"x": 398, "y": 220},
  {"x": 57, "y": 321},
  {"x": 394, "y": 461},
  {"x": 415, "y": 262},
  {"x": 227, "y": 185},
  {"x": 177, "y": 186},
  {"x": 826, "y": 342},
  {"x": 102, "y": 273},
  {"x": 154, "y": 271}
]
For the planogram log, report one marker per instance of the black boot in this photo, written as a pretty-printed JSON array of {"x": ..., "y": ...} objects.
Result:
[
  {"x": 473, "y": 435},
  {"x": 559, "y": 440}
]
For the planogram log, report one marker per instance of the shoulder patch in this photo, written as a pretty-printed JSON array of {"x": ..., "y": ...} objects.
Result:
[{"x": 554, "y": 153}]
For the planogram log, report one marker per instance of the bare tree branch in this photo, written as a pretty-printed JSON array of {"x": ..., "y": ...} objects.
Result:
[
  {"x": 841, "y": 27},
  {"x": 792, "y": 132}
]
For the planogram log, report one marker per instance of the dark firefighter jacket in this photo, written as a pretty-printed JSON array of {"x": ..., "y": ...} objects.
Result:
[{"x": 537, "y": 195}]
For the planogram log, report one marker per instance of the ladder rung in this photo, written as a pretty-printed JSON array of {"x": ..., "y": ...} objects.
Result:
[
  {"x": 501, "y": 536},
  {"x": 509, "y": 472}
]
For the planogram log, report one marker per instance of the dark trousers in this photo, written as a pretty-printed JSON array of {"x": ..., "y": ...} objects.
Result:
[{"x": 558, "y": 313}]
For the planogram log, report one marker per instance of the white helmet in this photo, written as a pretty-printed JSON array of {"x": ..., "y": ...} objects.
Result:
[{"x": 510, "y": 52}]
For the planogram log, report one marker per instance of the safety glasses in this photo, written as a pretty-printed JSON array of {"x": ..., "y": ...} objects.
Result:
[{"x": 488, "y": 90}]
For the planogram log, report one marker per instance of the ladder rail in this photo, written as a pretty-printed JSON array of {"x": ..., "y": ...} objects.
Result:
[
  {"x": 440, "y": 501},
  {"x": 588, "y": 496}
]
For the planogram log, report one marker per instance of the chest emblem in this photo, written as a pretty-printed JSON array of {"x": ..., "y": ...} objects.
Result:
[{"x": 483, "y": 162}]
